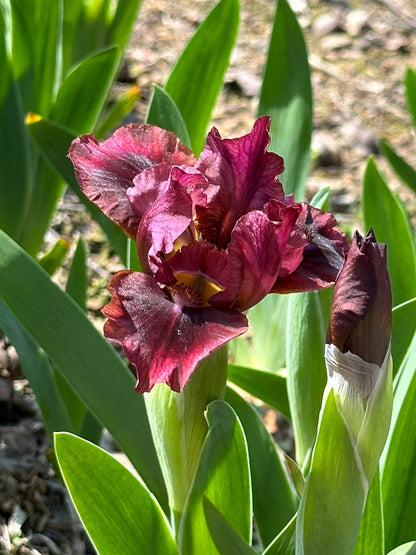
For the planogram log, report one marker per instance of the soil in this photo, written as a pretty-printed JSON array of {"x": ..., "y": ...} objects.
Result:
[{"x": 359, "y": 53}]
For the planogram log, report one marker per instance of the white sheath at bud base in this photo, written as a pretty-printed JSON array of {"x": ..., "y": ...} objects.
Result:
[{"x": 363, "y": 394}]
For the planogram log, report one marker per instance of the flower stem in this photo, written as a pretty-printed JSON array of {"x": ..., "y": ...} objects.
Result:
[{"x": 179, "y": 427}]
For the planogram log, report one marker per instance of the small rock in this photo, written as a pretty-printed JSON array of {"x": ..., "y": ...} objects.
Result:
[
  {"x": 355, "y": 22},
  {"x": 327, "y": 150},
  {"x": 334, "y": 42},
  {"x": 330, "y": 22},
  {"x": 358, "y": 136}
]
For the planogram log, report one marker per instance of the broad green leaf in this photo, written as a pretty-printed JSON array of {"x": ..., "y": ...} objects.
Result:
[
  {"x": 223, "y": 461},
  {"x": 53, "y": 259},
  {"x": 226, "y": 538},
  {"x": 84, "y": 357},
  {"x": 76, "y": 284},
  {"x": 38, "y": 370},
  {"x": 306, "y": 378},
  {"x": 408, "y": 548},
  {"x": 384, "y": 212},
  {"x": 270, "y": 388},
  {"x": 273, "y": 497},
  {"x": 402, "y": 334},
  {"x": 48, "y": 188},
  {"x": 164, "y": 113},
  {"x": 333, "y": 500},
  {"x": 321, "y": 198},
  {"x": 264, "y": 346},
  {"x": 371, "y": 535},
  {"x": 16, "y": 177},
  {"x": 410, "y": 83},
  {"x": 118, "y": 511},
  {"x": 404, "y": 170},
  {"x": 399, "y": 457},
  {"x": 122, "y": 22},
  {"x": 120, "y": 108},
  {"x": 286, "y": 96},
  {"x": 54, "y": 141},
  {"x": 197, "y": 77},
  {"x": 82, "y": 95},
  {"x": 35, "y": 40},
  {"x": 285, "y": 542},
  {"x": 87, "y": 425}
]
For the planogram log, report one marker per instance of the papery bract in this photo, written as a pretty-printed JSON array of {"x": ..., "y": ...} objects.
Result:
[{"x": 215, "y": 235}]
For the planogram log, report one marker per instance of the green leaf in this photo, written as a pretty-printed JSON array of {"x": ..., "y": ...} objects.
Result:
[
  {"x": 120, "y": 108},
  {"x": 223, "y": 460},
  {"x": 76, "y": 284},
  {"x": 333, "y": 500},
  {"x": 226, "y": 538},
  {"x": 82, "y": 95},
  {"x": 285, "y": 542},
  {"x": 38, "y": 370},
  {"x": 305, "y": 343},
  {"x": 164, "y": 113},
  {"x": 119, "y": 513},
  {"x": 399, "y": 457},
  {"x": 371, "y": 535},
  {"x": 270, "y": 388},
  {"x": 273, "y": 497},
  {"x": 122, "y": 23},
  {"x": 408, "y": 548},
  {"x": 36, "y": 34},
  {"x": 54, "y": 141},
  {"x": 286, "y": 96},
  {"x": 321, "y": 198},
  {"x": 402, "y": 334},
  {"x": 84, "y": 357},
  {"x": 387, "y": 216},
  {"x": 197, "y": 77},
  {"x": 53, "y": 259},
  {"x": 16, "y": 177},
  {"x": 404, "y": 170},
  {"x": 265, "y": 346},
  {"x": 410, "y": 83}
]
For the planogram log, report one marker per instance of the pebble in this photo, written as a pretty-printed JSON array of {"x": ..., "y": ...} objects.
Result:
[
  {"x": 356, "y": 21},
  {"x": 327, "y": 150},
  {"x": 330, "y": 22}
]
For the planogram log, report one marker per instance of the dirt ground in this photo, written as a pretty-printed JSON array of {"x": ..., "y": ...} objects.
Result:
[{"x": 359, "y": 53}]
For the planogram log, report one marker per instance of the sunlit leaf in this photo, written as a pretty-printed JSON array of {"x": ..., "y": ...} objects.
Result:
[
  {"x": 286, "y": 96},
  {"x": 385, "y": 213},
  {"x": 164, "y": 113},
  {"x": 83, "y": 356},
  {"x": 270, "y": 388},
  {"x": 273, "y": 497},
  {"x": 119, "y": 513},
  {"x": 197, "y": 77},
  {"x": 223, "y": 460}
]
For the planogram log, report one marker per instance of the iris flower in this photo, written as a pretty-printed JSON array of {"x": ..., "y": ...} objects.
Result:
[{"x": 214, "y": 236}]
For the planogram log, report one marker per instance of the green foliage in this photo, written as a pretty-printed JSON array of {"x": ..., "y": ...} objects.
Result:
[
  {"x": 82, "y": 355},
  {"x": 385, "y": 213},
  {"x": 286, "y": 96},
  {"x": 223, "y": 460},
  {"x": 197, "y": 77},
  {"x": 99, "y": 486}
]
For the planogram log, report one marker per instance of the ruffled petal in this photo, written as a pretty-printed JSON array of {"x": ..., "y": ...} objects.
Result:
[
  {"x": 246, "y": 175},
  {"x": 167, "y": 218},
  {"x": 323, "y": 256},
  {"x": 105, "y": 170},
  {"x": 164, "y": 341},
  {"x": 255, "y": 256}
]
